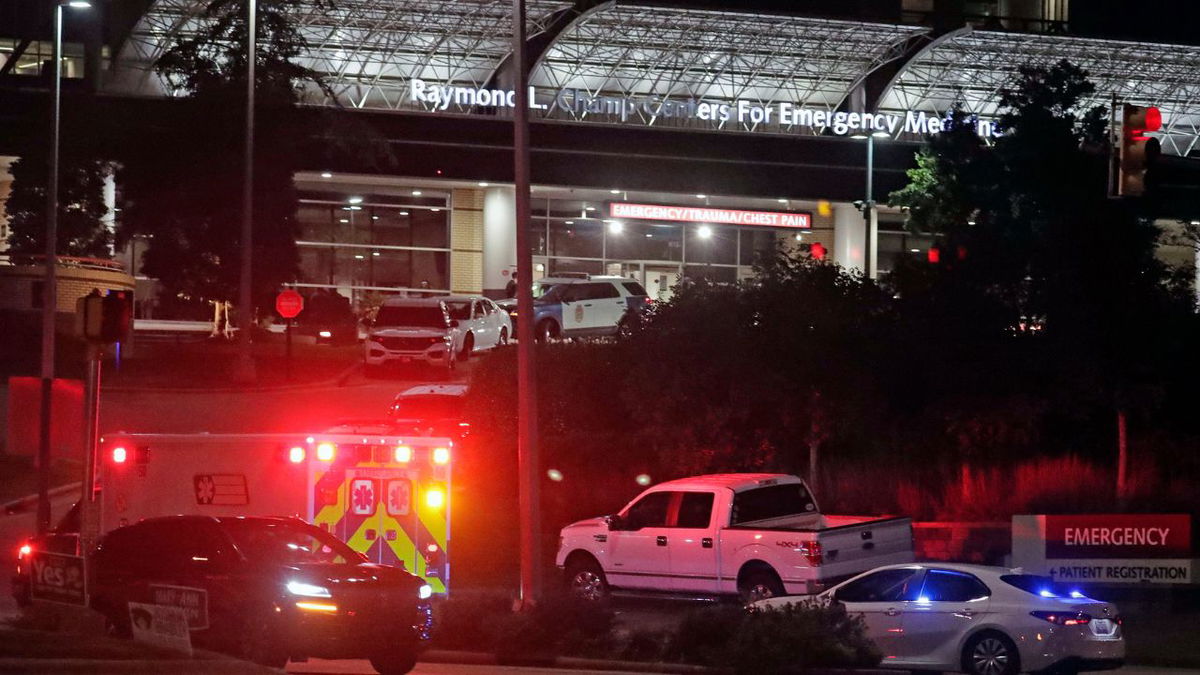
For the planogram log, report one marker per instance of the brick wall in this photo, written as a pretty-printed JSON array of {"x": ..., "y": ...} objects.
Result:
[
  {"x": 466, "y": 241},
  {"x": 19, "y": 283}
]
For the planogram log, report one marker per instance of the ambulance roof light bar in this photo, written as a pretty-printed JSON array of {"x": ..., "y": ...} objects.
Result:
[
  {"x": 441, "y": 455},
  {"x": 296, "y": 454},
  {"x": 326, "y": 451},
  {"x": 403, "y": 454}
]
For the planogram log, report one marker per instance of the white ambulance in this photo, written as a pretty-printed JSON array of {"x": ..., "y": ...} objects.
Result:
[{"x": 386, "y": 496}]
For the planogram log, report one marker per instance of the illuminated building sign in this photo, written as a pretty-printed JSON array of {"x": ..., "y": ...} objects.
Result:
[
  {"x": 440, "y": 98},
  {"x": 1108, "y": 548},
  {"x": 705, "y": 214}
]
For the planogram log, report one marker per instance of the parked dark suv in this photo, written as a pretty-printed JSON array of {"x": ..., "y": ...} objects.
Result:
[{"x": 265, "y": 589}]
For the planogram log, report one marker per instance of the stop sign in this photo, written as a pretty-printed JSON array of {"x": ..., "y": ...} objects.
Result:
[{"x": 289, "y": 303}]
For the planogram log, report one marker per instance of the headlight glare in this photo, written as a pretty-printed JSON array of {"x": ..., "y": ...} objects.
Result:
[
  {"x": 307, "y": 590},
  {"x": 425, "y": 592}
]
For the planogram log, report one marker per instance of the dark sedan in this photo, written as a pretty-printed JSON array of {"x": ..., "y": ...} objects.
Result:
[{"x": 265, "y": 589}]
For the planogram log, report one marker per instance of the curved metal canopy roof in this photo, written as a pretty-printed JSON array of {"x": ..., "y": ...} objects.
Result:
[{"x": 370, "y": 50}]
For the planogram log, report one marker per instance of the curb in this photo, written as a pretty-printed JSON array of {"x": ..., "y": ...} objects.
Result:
[
  {"x": 566, "y": 662},
  {"x": 174, "y": 666},
  {"x": 338, "y": 381}
]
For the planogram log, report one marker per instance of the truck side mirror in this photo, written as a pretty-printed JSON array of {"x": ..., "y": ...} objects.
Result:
[{"x": 615, "y": 523}]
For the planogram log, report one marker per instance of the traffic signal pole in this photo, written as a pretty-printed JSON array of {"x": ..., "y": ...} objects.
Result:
[
  {"x": 244, "y": 368},
  {"x": 527, "y": 446}
]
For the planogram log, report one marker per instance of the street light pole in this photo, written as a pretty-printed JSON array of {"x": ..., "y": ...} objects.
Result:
[
  {"x": 50, "y": 285},
  {"x": 245, "y": 365},
  {"x": 527, "y": 446},
  {"x": 870, "y": 243}
]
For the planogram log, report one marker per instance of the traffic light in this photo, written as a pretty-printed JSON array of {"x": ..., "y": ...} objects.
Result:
[{"x": 1137, "y": 150}]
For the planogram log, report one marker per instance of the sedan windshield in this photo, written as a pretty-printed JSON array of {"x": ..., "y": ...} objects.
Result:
[
  {"x": 406, "y": 316},
  {"x": 287, "y": 542}
]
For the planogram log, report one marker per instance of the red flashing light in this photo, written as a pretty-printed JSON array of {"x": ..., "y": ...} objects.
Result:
[
  {"x": 441, "y": 455},
  {"x": 817, "y": 250},
  {"x": 403, "y": 454},
  {"x": 325, "y": 452},
  {"x": 934, "y": 255},
  {"x": 119, "y": 455},
  {"x": 24, "y": 551},
  {"x": 1153, "y": 119},
  {"x": 296, "y": 454}
]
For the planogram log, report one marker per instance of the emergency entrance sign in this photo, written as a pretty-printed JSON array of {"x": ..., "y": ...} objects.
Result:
[{"x": 1106, "y": 548}]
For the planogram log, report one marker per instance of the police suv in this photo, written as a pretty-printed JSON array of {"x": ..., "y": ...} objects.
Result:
[{"x": 586, "y": 306}]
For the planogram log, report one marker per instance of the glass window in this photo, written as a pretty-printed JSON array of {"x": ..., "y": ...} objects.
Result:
[
  {"x": 758, "y": 243},
  {"x": 950, "y": 586},
  {"x": 1034, "y": 584},
  {"x": 576, "y": 238},
  {"x": 424, "y": 316},
  {"x": 649, "y": 511},
  {"x": 772, "y": 501},
  {"x": 570, "y": 265},
  {"x": 714, "y": 273},
  {"x": 316, "y": 222},
  {"x": 633, "y": 288},
  {"x": 286, "y": 542},
  {"x": 719, "y": 247},
  {"x": 646, "y": 241},
  {"x": 882, "y": 586},
  {"x": 598, "y": 291},
  {"x": 695, "y": 509},
  {"x": 459, "y": 309}
]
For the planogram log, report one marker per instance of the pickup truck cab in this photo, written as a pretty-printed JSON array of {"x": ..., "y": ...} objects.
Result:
[{"x": 755, "y": 535}]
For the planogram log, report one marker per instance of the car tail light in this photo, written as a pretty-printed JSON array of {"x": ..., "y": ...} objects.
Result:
[
  {"x": 326, "y": 334},
  {"x": 296, "y": 454},
  {"x": 325, "y": 452},
  {"x": 1063, "y": 618},
  {"x": 403, "y": 454},
  {"x": 813, "y": 553},
  {"x": 119, "y": 454},
  {"x": 24, "y": 551}
]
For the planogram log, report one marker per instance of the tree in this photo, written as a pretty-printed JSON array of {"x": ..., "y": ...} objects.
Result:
[
  {"x": 81, "y": 230},
  {"x": 1036, "y": 248},
  {"x": 187, "y": 197}
]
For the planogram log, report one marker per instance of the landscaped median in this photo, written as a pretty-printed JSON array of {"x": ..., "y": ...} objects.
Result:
[{"x": 566, "y": 632}]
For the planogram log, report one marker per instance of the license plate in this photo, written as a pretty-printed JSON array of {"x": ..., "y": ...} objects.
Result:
[{"x": 1102, "y": 626}]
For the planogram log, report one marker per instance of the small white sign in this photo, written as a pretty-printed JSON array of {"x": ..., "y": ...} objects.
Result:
[{"x": 161, "y": 625}]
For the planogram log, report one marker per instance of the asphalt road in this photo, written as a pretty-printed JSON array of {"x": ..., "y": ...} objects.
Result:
[{"x": 318, "y": 667}]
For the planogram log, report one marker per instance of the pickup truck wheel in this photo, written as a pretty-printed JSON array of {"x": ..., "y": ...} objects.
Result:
[
  {"x": 760, "y": 585},
  {"x": 586, "y": 580},
  {"x": 398, "y": 662}
]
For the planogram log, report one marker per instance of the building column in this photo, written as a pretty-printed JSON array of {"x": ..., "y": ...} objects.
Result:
[
  {"x": 499, "y": 240},
  {"x": 849, "y": 236},
  {"x": 466, "y": 241}
]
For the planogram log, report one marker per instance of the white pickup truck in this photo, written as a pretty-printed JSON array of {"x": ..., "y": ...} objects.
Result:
[{"x": 756, "y": 535}]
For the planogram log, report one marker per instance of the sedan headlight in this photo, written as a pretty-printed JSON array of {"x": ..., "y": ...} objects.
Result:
[
  {"x": 307, "y": 590},
  {"x": 425, "y": 592}
]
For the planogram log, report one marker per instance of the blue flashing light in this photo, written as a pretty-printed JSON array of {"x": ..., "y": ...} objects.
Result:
[
  {"x": 1077, "y": 594},
  {"x": 1046, "y": 594}
]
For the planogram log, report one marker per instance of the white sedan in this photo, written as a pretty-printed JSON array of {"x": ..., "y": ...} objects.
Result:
[
  {"x": 979, "y": 620},
  {"x": 439, "y": 330}
]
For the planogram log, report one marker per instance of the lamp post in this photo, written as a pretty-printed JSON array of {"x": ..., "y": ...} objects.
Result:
[
  {"x": 870, "y": 217},
  {"x": 50, "y": 286},
  {"x": 527, "y": 445},
  {"x": 245, "y": 361}
]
